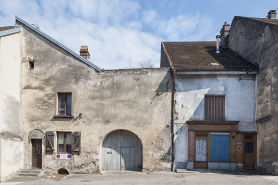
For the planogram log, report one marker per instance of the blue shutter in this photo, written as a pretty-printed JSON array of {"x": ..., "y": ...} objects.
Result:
[{"x": 219, "y": 147}]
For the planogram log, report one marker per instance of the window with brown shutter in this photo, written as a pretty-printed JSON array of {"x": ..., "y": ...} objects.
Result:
[
  {"x": 76, "y": 143},
  {"x": 64, "y": 142},
  {"x": 215, "y": 107},
  {"x": 49, "y": 136}
]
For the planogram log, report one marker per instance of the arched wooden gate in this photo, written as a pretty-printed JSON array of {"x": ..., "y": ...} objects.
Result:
[{"x": 121, "y": 150}]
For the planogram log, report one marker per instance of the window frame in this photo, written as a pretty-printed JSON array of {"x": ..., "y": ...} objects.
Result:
[
  {"x": 65, "y": 144},
  {"x": 58, "y": 104},
  {"x": 206, "y": 117}
]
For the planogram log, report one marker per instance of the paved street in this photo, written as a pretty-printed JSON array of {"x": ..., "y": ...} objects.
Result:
[{"x": 201, "y": 177}]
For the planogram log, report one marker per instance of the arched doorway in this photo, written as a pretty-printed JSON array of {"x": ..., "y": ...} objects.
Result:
[{"x": 121, "y": 151}]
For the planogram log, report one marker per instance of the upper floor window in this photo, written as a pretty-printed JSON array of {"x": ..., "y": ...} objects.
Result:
[
  {"x": 64, "y": 103},
  {"x": 215, "y": 107}
]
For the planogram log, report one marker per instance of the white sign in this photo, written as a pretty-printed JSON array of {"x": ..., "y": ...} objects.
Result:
[{"x": 63, "y": 156}]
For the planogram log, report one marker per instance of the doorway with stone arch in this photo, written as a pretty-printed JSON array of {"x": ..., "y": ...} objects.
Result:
[{"x": 121, "y": 151}]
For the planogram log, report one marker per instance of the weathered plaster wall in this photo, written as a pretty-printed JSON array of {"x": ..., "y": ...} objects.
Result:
[
  {"x": 11, "y": 156},
  {"x": 11, "y": 152},
  {"x": 189, "y": 104},
  {"x": 138, "y": 100},
  {"x": 10, "y": 63},
  {"x": 258, "y": 42}
]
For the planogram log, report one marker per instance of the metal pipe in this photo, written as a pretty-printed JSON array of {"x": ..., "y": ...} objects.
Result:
[
  {"x": 243, "y": 76},
  {"x": 217, "y": 44},
  {"x": 173, "y": 121}
]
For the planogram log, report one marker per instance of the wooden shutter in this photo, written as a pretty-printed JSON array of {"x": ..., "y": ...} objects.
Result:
[
  {"x": 76, "y": 149},
  {"x": 214, "y": 107},
  {"x": 49, "y": 135}
]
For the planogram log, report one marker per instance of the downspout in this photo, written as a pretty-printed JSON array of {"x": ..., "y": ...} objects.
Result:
[{"x": 173, "y": 121}]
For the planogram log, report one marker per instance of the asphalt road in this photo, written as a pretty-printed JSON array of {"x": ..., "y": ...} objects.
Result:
[{"x": 163, "y": 178}]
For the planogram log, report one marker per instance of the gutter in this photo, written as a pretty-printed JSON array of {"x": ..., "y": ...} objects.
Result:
[{"x": 173, "y": 120}]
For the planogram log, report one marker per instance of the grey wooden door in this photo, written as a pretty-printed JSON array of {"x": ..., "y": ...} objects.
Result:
[{"x": 121, "y": 150}]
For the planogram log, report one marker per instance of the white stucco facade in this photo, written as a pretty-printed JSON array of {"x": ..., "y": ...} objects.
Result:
[
  {"x": 11, "y": 152},
  {"x": 240, "y": 104}
]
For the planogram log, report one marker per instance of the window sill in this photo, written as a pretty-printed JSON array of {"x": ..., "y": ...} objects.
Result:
[{"x": 63, "y": 116}]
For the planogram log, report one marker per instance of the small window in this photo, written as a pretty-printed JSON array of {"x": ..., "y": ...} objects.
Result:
[
  {"x": 64, "y": 103},
  {"x": 214, "y": 107},
  {"x": 248, "y": 147},
  {"x": 248, "y": 137},
  {"x": 64, "y": 142},
  {"x": 31, "y": 65}
]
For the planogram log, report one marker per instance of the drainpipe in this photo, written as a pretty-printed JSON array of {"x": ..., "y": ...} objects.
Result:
[{"x": 173, "y": 121}]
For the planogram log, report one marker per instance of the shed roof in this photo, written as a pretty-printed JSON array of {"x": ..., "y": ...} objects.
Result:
[
  {"x": 6, "y": 28},
  {"x": 202, "y": 56}
]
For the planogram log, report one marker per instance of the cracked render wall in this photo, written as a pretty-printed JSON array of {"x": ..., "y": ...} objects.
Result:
[
  {"x": 190, "y": 104},
  {"x": 257, "y": 41},
  {"x": 137, "y": 100},
  {"x": 10, "y": 128}
]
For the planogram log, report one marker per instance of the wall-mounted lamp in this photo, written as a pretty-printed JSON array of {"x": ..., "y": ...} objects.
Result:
[{"x": 79, "y": 115}]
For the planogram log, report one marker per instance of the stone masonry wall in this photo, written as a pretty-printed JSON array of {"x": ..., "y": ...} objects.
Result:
[
  {"x": 257, "y": 41},
  {"x": 138, "y": 100}
]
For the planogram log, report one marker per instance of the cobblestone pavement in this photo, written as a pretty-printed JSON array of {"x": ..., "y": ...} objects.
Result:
[{"x": 163, "y": 178}]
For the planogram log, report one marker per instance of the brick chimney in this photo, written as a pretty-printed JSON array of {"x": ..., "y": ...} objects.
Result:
[
  {"x": 84, "y": 52},
  {"x": 224, "y": 35},
  {"x": 272, "y": 14}
]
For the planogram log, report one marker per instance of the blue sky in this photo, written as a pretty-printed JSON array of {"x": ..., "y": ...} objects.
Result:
[{"x": 123, "y": 33}]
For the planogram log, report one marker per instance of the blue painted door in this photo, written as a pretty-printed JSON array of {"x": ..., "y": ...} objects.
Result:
[{"x": 219, "y": 147}]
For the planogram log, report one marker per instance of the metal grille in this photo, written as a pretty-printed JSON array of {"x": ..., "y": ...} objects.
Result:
[{"x": 214, "y": 107}]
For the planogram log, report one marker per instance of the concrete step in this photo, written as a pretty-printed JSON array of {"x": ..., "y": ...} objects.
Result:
[
  {"x": 29, "y": 172},
  {"x": 184, "y": 171}
]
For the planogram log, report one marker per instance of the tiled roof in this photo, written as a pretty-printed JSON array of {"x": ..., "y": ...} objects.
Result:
[
  {"x": 202, "y": 56},
  {"x": 6, "y": 28},
  {"x": 273, "y": 21}
]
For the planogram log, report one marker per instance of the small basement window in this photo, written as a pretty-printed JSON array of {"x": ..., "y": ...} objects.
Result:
[
  {"x": 31, "y": 65},
  {"x": 63, "y": 171}
]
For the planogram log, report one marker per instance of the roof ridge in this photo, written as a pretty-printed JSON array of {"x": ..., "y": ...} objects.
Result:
[
  {"x": 261, "y": 19},
  {"x": 58, "y": 43},
  {"x": 187, "y": 41}
]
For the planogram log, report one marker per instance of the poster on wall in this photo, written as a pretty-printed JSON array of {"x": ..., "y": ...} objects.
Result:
[{"x": 63, "y": 156}]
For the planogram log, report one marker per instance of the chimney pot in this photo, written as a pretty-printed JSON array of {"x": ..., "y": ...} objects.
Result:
[
  {"x": 272, "y": 14},
  {"x": 84, "y": 52}
]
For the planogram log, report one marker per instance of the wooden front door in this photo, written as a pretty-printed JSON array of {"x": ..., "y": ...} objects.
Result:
[
  {"x": 37, "y": 153},
  {"x": 201, "y": 151},
  {"x": 249, "y": 155}
]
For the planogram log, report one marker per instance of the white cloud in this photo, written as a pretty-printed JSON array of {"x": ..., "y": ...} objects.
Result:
[
  {"x": 149, "y": 16},
  {"x": 112, "y": 29},
  {"x": 186, "y": 27}
]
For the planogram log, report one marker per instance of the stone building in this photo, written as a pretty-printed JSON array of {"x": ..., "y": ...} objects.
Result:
[
  {"x": 59, "y": 111},
  {"x": 214, "y": 106},
  {"x": 72, "y": 115},
  {"x": 256, "y": 39}
]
